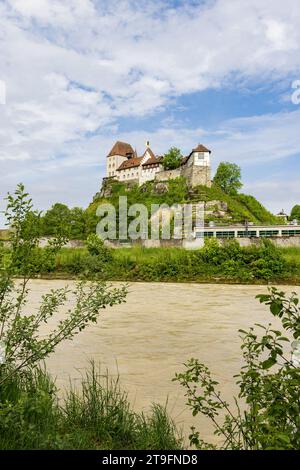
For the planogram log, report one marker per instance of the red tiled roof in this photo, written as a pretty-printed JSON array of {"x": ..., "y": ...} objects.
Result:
[
  {"x": 131, "y": 163},
  {"x": 121, "y": 148},
  {"x": 153, "y": 160},
  {"x": 200, "y": 148}
]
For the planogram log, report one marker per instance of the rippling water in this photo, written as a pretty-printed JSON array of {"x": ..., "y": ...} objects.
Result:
[{"x": 162, "y": 325}]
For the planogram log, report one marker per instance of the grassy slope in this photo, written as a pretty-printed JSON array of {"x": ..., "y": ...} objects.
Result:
[{"x": 240, "y": 207}]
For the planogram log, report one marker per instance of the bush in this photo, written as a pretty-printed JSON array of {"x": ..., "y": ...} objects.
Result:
[
  {"x": 95, "y": 247},
  {"x": 229, "y": 262},
  {"x": 267, "y": 409},
  {"x": 22, "y": 347}
]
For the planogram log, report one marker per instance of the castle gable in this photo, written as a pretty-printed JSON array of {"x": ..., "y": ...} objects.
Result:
[{"x": 147, "y": 155}]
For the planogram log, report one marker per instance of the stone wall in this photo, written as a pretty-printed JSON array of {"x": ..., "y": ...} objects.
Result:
[
  {"x": 195, "y": 175},
  {"x": 168, "y": 174}
]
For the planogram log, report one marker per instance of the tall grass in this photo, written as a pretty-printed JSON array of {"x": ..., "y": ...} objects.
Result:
[
  {"x": 291, "y": 254},
  {"x": 97, "y": 416},
  {"x": 230, "y": 263}
]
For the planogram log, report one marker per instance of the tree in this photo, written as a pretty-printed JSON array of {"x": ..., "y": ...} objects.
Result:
[
  {"x": 172, "y": 159},
  {"x": 266, "y": 412},
  {"x": 228, "y": 178},
  {"x": 295, "y": 214},
  {"x": 78, "y": 223},
  {"x": 57, "y": 220},
  {"x": 22, "y": 348}
]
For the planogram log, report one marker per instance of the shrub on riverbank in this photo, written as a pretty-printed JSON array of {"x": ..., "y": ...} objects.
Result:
[
  {"x": 21, "y": 345},
  {"x": 265, "y": 414},
  {"x": 97, "y": 416},
  {"x": 231, "y": 262}
]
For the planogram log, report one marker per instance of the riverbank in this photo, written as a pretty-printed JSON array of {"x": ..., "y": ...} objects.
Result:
[
  {"x": 146, "y": 340},
  {"x": 219, "y": 265}
]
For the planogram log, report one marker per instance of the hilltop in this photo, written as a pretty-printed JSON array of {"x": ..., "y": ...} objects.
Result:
[{"x": 219, "y": 206}]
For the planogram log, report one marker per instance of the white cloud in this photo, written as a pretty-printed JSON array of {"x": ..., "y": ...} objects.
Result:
[
  {"x": 276, "y": 192},
  {"x": 73, "y": 68}
]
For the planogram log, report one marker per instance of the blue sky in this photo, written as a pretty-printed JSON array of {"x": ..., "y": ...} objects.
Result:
[{"x": 80, "y": 74}]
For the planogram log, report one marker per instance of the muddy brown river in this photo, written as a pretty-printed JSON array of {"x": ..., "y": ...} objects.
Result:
[{"x": 161, "y": 326}]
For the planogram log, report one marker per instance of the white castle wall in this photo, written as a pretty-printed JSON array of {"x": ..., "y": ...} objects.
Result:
[{"x": 149, "y": 173}]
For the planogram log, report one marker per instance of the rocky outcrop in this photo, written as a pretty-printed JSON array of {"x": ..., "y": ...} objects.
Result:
[
  {"x": 216, "y": 205},
  {"x": 160, "y": 188}
]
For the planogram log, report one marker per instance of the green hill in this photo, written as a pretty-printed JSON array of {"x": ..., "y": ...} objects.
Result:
[{"x": 223, "y": 208}]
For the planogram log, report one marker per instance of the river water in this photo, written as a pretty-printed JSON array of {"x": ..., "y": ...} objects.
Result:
[{"x": 160, "y": 327}]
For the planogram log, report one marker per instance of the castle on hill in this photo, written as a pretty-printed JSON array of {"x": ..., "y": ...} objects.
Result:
[{"x": 123, "y": 164}]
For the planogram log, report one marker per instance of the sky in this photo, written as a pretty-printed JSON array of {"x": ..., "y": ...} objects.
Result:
[{"x": 78, "y": 75}]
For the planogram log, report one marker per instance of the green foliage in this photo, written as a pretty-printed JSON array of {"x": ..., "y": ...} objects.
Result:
[
  {"x": 172, "y": 159},
  {"x": 257, "y": 210},
  {"x": 73, "y": 223},
  {"x": 102, "y": 412},
  {"x": 57, "y": 220},
  {"x": 96, "y": 415},
  {"x": 95, "y": 247},
  {"x": 230, "y": 262},
  {"x": 77, "y": 223},
  {"x": 24, "y": 347},
  {"x": 228, "y": 178},
  {"x": 267, "y": 411},
  {"x": 295, "y": 213},
  {"x": 240, "y": 207}
]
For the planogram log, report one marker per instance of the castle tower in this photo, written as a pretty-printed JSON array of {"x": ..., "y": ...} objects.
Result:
[
  {"x": 120, "y": 152},
  {"x": 200, "y": 156},
  {"x": 197, "y": 168}
]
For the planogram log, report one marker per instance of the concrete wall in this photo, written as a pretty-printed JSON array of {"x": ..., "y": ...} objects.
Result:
[
  {"x": 281, "y": 242},
  {"x": 191, "y": 244},
  {"x": 70, "y": 244}
]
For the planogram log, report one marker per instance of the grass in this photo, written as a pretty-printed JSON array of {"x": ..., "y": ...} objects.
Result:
[
  {"x": 230, "y": 263},
  {"x": 291, "y": 254},
  {"x": 98, "y": 416}
]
